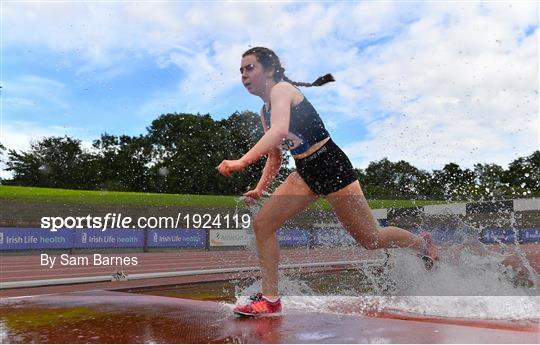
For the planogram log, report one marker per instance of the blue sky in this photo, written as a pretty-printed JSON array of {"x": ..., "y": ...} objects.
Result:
[{"x": 427, "y": 82}]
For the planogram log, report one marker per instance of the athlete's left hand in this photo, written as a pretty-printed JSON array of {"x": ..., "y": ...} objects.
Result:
[{"x": 227, "y": 168}]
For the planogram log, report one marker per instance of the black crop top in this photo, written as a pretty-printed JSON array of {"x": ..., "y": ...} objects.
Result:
[{"x": 305, "y": 127}]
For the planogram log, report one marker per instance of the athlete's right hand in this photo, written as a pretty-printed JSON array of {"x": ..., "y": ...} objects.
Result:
[{"x": 228, "y": 167}]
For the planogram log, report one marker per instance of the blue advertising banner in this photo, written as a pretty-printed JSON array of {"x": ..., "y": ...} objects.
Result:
[
  {"x": 112, "y": 238},
  {"x": 293, "y": 237},
  {"x": 498, "y": 235},
  {"x": 530, "y": 235},
  {"x": 177, "y": 238},
  {"x": 445, "y": 234},
  {"x": 35, "y": 238},
  {"x": 333, "y": 237}
]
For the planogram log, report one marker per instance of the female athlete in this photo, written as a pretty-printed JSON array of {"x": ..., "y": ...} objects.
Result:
[{"x": 290, "y": 122}]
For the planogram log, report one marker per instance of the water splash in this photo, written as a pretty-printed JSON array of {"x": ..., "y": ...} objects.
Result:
[
  {"x": 467, "y": 283},
  {"x": 470, "y": 281},
  {"x": 461, "y": 272},
  {"x": 298, "y": 296}
]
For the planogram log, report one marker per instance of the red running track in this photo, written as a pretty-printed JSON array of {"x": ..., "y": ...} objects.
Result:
[{"x": 28, "y": 268}]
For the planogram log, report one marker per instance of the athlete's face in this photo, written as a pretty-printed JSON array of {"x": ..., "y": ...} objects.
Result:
[{"x": 254, "y": 76}]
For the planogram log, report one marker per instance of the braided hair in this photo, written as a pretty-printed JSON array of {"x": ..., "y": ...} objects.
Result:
[{"x": 269, "y": 60}]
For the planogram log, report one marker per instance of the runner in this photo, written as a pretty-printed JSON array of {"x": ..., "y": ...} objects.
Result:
[{"x": 291, "y": 123}]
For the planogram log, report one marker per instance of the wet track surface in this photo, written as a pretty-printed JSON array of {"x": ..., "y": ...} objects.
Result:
[
  {"x": 116, "y": 317},
  {"x": 91, "y": 313}
]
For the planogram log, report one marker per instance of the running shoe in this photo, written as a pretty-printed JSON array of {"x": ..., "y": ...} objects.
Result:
[
  {"x": 259, "y": 305},
  {"x": 430, "y": 252}
]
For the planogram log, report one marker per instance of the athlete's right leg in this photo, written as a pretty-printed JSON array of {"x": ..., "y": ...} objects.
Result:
[
  {"x": 355, "y": 215},
  {"x": 292, "y": 197}
]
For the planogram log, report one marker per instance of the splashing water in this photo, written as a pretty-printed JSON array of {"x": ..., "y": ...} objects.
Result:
[
  {"x": 449, "y": 291},
  {"x": 253, "y": 207},
  {"x": 459, "y": 273},
  {"x": 469, "y": 282}
]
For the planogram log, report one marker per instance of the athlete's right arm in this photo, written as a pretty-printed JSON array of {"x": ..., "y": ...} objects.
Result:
[
  {"x": 281, "y": 98},
  {"x": 271, "y": 168}
]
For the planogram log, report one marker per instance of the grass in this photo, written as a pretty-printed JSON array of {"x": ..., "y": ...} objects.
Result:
[{"x": 70, "y": 196}]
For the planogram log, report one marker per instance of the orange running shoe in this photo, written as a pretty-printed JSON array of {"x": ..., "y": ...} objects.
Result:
[{"x": 259, "y": 305}]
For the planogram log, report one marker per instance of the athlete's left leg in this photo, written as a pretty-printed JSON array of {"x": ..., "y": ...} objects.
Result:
[{"x": 291, "y": 197}]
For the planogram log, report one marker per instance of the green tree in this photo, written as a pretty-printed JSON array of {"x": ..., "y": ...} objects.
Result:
[
  {"x": 2, "y": 151},
  {"x": 489, "y": 181},
  {"x": 186, "y": 150},
  {"x": 453, "y": 183},
  {"x": 386, "y": 179},
  {"x": 51, "y": 162},
  {"x": 378, "y": 179},
  {"x": 123, "y": 162},
  {"x": 243, "y": 130},
  {"x": 523, "y": 176}
]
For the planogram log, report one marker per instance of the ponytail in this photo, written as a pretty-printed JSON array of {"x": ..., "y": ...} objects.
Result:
[{"x": 327, "y": 78}]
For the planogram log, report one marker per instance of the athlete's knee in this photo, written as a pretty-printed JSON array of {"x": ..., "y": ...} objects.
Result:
[
  {"x": 365, "y": 234},
  {"x": 370, "y": 242},
  {"x": 370, "y": 245},
  {"x": 264, "y": 223}
]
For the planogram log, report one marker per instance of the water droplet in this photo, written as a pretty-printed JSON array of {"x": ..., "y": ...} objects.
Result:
[{"x": 163, "y": 171}]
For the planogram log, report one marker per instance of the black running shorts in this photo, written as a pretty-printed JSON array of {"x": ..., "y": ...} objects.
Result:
[{"x": 327, "y": 170}]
